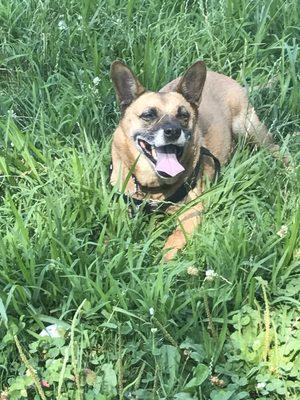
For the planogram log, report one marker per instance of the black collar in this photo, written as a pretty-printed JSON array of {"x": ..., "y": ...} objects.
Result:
[{"x": 181, "y": 192}]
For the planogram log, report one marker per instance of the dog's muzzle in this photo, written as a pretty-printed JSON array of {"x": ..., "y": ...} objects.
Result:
[{"x": 164, "y": 149}]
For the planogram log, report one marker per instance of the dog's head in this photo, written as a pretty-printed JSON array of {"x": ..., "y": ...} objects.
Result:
[{"x": 160, "y": 126}]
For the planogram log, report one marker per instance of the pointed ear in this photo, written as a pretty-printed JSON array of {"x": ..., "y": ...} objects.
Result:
[
  {"x": 192, "y": 82},
  {"x": 127, "y": 86}
]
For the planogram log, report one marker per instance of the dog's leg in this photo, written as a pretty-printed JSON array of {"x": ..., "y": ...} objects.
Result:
[{"x": 188, "y": 222}]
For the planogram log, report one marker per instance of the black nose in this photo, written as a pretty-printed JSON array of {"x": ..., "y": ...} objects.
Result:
[{"x": 172, "y": 133}]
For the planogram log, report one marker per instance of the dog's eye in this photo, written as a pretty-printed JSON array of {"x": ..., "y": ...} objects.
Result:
[
  {"x": 183, "y": 113},
  {"x": 149, "y": 115}
]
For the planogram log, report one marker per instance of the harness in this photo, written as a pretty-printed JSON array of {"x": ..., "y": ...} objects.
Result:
[{"x": 161, "y": 206}]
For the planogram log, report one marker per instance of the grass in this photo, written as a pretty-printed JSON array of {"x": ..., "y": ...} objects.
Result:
[{"x": 71, "y": 254}]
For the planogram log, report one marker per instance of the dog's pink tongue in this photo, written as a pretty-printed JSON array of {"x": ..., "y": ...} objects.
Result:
[{"x": 168, "y": 163}]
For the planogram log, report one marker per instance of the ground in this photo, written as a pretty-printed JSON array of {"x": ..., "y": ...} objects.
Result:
[{"x": 221, "y": 321}]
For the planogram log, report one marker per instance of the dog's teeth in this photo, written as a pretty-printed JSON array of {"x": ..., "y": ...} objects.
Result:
[{"x": 153, "y": 152}]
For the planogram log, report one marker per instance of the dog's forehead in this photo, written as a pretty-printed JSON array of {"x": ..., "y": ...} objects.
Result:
[{"x": 168, "y": 102}]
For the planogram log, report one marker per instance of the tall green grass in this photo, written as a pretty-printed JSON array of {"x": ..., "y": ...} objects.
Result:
[{"x": 66, "y": 239}]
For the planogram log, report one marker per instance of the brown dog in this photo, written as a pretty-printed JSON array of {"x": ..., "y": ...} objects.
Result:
[{"x": 156, "y": 149}]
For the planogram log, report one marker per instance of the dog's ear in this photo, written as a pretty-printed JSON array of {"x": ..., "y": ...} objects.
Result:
[
  {"x": 192, "y": 82},
  {"x": 127, "y": 86}
]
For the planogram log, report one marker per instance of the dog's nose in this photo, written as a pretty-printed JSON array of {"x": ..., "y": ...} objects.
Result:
[{"x": 172, "y": 133}]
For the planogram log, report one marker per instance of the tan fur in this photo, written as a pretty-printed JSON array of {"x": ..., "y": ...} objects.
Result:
[
  {"x": 125, "y": 153},
  {"x": 224, "y": 113}
]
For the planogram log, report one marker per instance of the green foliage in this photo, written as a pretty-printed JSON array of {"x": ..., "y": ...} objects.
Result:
[
  {"x": 275, "y": 374},
  {"x": 71, "y": 255},
  {"x": 51, "y": 360}
]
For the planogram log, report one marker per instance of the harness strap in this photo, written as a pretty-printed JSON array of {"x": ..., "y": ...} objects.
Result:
[{"x": 181, "y": 192}]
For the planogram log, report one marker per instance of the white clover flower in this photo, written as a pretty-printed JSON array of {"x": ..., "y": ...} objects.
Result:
[
  {"x": 282, "y": 231},
  {"x": 260, "y": 385},
  {"x": 151, "y": 311},
  {"x": 153, "y": 330},
  {"x": 210, "y": 274},
  {"x": 191, "y": 270},
  {"x": 12, "y": 114},
  {"x": 96, "y": 81},
  {"x": 62, "y": 26},
  {"x": 79, "y": 17}
]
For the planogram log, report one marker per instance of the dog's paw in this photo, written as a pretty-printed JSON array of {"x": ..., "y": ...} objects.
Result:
[{"x": 170, "y": 254}]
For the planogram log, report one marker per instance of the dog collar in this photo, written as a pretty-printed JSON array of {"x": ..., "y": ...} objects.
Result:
[{"x": 181, "y": 192}]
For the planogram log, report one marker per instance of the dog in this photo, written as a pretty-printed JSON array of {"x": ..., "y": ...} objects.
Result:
[{"x": 168, "y": 142}]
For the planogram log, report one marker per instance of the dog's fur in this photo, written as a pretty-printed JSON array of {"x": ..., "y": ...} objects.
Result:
[{"x": 215, "y": 110}]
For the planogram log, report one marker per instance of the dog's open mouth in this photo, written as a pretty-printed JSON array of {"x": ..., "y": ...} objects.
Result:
[{"x": 165, "y": 158}]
